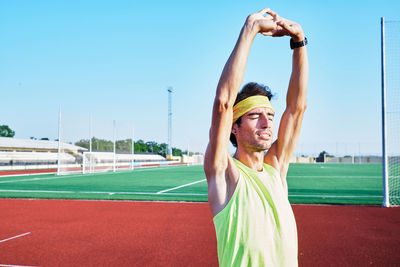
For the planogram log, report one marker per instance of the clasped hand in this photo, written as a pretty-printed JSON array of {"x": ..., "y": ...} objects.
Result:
[{"x": 268, "y": 23}]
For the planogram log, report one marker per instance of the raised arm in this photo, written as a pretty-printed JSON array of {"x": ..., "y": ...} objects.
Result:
[
  {"x": 227, "y": 89},
  {"x": 296, "y": 101},
  {"x": 217, "y": 160}
]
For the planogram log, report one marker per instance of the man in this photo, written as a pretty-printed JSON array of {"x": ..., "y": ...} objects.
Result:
[{"x": 248, "y": 192}]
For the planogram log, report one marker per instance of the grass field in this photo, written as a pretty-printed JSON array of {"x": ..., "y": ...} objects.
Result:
[{"x": 308, "y": 183}]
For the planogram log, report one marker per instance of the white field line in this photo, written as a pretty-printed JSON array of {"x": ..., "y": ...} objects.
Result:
[
  {"x": 75, "y": 176},
  {"x": 80, "y": 175},
  {"x": 174, "y": 188},
  {"x": 334, "y": 176},
  {"x": 166, "y": 193},
  {"x": 21, "y": 235},
  {"x": 35, "y": 179},
  {"x": 97, "y": 192},
  {"x": 335, "y": 196},
  {"x": 141, "y": 168},
  {"x": 26, "y": 174},
  {"x": 7, "y": 265}
]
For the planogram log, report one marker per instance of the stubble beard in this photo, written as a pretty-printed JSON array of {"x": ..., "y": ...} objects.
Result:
[{"x": 258, "y": 146}]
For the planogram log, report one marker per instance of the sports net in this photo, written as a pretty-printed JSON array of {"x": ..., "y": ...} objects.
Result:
[
  {"x": 94, "y": 162},
  {"x": 392, "y": 59},
  {"x": 72, "y": 127}
]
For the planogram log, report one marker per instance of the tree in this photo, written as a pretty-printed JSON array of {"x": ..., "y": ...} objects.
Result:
[
  {"x": 321, "y": 156},
  {"x": 5, "y": 131},
  {"x": 83, "y": 143},
  {"x": 163, "y": 149},
  {"x": 176, "y": 151},
  {"x": 125, "y": 146},
  {"x": 140, "y": 146}
]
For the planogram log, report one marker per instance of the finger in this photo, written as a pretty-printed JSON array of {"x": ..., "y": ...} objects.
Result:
[
  {"x": 285, "y": 26},
  {"x": 277, "y": 33},
  {"x": 264, "y": 10},
  {"x": 267, "y": 33},
  {"x": 272, "y": 13},
  {"x": 267, "y": 16}
]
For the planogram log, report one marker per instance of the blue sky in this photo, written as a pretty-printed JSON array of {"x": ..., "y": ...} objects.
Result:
[{"x": 115, "y": 60}]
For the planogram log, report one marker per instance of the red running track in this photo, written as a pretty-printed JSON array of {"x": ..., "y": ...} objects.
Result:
[
  {"x": 127, "y": 233},
  {"x": 26, "y": 172}
]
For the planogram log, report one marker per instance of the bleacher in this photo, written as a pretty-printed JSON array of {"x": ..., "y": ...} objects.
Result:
[
  {"x": 21, "y": 154},
  {"x": 33, "y": 158}
]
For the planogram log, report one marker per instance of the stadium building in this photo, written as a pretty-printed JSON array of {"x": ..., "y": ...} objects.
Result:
[{"x": 16, "y": 153}]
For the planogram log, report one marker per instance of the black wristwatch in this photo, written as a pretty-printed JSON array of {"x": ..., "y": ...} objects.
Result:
[{"x": 294, "y": 44}]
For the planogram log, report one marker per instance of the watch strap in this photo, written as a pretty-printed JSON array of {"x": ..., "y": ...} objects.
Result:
[{"x": 294, "y": 44}]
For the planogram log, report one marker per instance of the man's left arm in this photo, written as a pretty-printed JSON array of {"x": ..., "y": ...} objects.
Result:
[{"x": 282, "y": 149}]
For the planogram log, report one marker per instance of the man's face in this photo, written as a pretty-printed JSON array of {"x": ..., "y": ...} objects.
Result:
[{"x": 256, "y": 129}]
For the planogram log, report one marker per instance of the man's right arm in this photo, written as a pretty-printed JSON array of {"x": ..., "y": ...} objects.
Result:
[{"x": 218, "y": 166}]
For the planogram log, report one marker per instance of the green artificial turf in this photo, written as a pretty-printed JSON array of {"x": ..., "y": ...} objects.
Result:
[{"x": 308, "y": 184}]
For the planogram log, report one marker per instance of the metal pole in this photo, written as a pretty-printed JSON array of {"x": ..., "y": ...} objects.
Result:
[
  {"x": 91, "y": 169},
  {"x": 169, "y": 150},
  {"x": 114, "y": 167},
  {"x": 90, "y": 133},
  {"x": 386, "y": 202},
  {"x": 59, "y": 142},
  {"x": 133, "y": 147}
]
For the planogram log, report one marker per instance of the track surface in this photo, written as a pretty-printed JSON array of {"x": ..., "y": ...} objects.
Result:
[{"x": 118, "y": 233}]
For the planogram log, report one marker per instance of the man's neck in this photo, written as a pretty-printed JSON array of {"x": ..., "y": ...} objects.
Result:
[{"x": 253, "y": 160}]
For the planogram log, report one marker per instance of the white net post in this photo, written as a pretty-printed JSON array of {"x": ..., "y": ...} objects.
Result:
[
  {"x": 133, "y": 149},
  {"x": 188, "y": 156},
  {"x": 70, "y": 141},
  {"x": 84, "y": 164},
  {"x": 114, "y": 158},
  {"x": 384, "y": 136},
  {"x": 390, "y": 56},
  {"x": 59, "y": 143},
  {"x": 91, "y": 170},
  {"x": 124, "y": 146}
]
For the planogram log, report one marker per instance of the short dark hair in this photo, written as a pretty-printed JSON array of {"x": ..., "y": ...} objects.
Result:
[{"x": 248, "y": 90}]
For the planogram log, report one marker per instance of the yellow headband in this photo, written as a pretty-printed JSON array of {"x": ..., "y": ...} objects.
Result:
[{"x": 247, "y": 104}]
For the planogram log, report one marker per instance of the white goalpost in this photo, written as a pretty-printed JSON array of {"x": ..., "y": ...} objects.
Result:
[
  {"x": 95, "y": 162},
  {"x": 98, "y": 161},
  {"x": 105, "y": 146}
]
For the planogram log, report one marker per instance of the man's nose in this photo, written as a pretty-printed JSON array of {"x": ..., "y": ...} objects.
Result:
[{"x": 264, "y": 121}]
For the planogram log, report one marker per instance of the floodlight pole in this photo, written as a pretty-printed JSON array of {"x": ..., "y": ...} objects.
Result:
[
  {"x": 386, "y": 202},
  {"x": 169, "y": 150}
]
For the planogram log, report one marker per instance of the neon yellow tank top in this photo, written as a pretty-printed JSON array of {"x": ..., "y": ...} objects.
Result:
[{"x": 257, "y": 226}]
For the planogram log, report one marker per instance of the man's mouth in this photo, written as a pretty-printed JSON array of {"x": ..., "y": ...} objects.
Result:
[{"x": 264, "y": 135}]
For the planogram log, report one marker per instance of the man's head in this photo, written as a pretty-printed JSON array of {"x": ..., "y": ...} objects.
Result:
[{"x": 258, "y": 121}]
